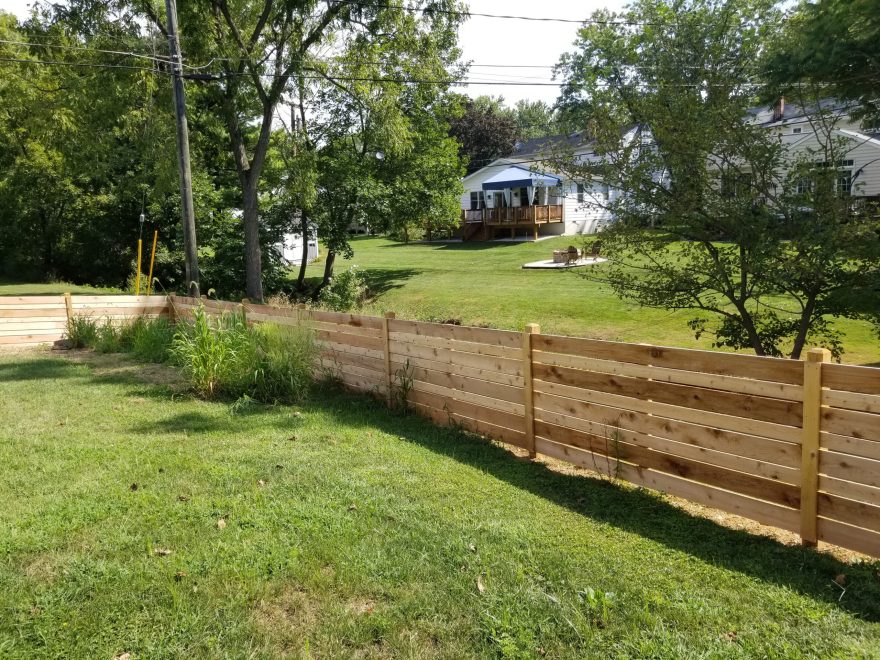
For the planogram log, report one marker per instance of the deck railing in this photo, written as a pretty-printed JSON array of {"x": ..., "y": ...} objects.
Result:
[{"x": 515, "y": 215}]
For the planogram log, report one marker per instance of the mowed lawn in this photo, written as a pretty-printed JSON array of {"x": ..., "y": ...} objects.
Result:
[
  {"x": 483, "y": 283},
  {"x": 10, "y": 288},
  {"x": 349, "y": 532}
]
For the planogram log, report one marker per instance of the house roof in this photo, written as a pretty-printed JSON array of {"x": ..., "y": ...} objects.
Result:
[
  {"x": 542, "y": 145},
  {"x": 765, "y": 115}
]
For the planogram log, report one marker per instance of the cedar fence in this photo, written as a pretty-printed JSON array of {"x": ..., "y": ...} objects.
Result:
[{"x": 791, "y": 444}]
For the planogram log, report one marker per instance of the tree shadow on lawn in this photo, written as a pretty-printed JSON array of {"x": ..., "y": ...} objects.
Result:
[
  {"x": 382, "y": 280},
  {"x": 41, "y": 368},
  {"x": 468, "y": 246},
  {"x": 641, "y": 512}
]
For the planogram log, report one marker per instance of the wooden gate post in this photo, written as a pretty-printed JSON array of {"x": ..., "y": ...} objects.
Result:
[
  {"x": 812, "y": 426},
  {"x": 531, "y": 330},
  {"x": 389, "y": 377},
  {"x": 68, "y": 305},
  {"x": 244, "y": 303}
]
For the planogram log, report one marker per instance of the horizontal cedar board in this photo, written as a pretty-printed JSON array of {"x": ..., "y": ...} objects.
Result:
[
  {"x": 727, "y": 364},
  {"x": 849, "y": 490},
  {"x": 471, "y": 410},
  {"x": 38, "y": 322},
  {"x": 8, "y": 314},
  {"x": 748, "y": 465},
  {"x": 680, "y": 376},
  {"x": 786, "y": 454},
  {"x": 341, "y": 318},
  {"x": 852, "y": 468},
  {"x": 32, "y": 332},
  {"x": 11, "y": 307},
  {"x": 363, "y": 361},
  {"x": 852, "y": 423},
  {"x": 851, "y": 378},
  {"x": 365, "y": 375},
  {"x": 472, "y": 372},
  {"x": 489, "y": 362},
  {"x": 268, "y": 310},
  {"x": 712, "y": 475},
  {"x": 140, "y": 310},
  {"x": 458, "y": 332},
  {"x": 360, "y": 383},
  {"x": 848, "y": 445},
  {"x": 30, "y": 339},
  {"x": 353, "y": 330},
  {"x": 347, "y": 348},
  {"x": 699, "y": 398},
  {"x": 849, "y": 536},
  {"x": 851, "y": 400},
  {"x": 476, "y": 399},
  {"x": 373, "y": 343},
  {"x": 735, "y": 503},
  {"x": 849, "y": 511},
  {"x": 442, "y": 417},
  {"x": 54, "y": 299},
  {"x": 681, "y": 413},
  {"x": 455, "y": 381},
  {"x": 456, "y": 345}
]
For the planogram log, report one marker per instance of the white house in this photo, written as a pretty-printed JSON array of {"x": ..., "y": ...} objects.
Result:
[
  {"x": 518, "y": 195},
  {"x": 291, "y": 247}
]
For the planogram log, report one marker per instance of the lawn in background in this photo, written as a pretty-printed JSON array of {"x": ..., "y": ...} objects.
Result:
[
  {"x": 138, "y": 520},
  {"x": 10, "y": 288},
  {"x": 484, "y": 283}
]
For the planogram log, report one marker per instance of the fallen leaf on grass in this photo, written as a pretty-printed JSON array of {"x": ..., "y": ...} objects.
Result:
[
  {"x": 221, "y": 524},
  {"x": 480, "y": 586},
  {"x": 161, "y": 552},
  {"x": 123, "y": 656},
  {"x": 840, "y": 580},
  {"x": 179, "y": 576},
  {"x": 182, "y": 498},
  {"x": 261, "y": 483},
  {"x": 352, "y": 507},
  {"x": 472, "y": 547}
]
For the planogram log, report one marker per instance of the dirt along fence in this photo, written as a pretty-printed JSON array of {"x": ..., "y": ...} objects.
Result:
[
  {"x": 791, "y": 444},
  {"x": 33, "y": 320}
]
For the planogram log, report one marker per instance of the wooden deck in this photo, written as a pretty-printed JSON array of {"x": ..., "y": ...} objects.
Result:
[{"x": 511, "y": 217}]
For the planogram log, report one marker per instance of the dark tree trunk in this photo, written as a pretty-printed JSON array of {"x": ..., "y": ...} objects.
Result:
[
  {"x": 304, "y": 228},
  {"x": 803, "y": 328},
  {"x": 328, "y": 274},
  {"x": 253, "y": 265}
]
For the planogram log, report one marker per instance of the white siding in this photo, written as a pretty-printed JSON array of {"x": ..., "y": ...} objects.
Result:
[{"x": 589, "y": 216}]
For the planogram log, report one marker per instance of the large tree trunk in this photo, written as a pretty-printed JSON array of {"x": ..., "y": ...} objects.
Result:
[
  {"x": 253, "y": 264},
  {"x": 803, "y": 328},
  {"x": 328, "y": 274},
  {"x": 304, "y": 228}
]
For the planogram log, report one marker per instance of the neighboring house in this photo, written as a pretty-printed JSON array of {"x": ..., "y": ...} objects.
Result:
[
  {"x": 798, "y": 128},
  {"x": 291, "y": 247},
  {"x": 517, "y": 195}
]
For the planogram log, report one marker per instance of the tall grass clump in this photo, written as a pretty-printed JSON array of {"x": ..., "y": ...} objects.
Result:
[
  {"x": 226, "y": 357},
  {"x": 82, "y": 331},
  {"x": 151, "y": 339}
]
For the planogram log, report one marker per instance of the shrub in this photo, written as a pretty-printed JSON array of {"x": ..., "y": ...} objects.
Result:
[
  {"x": 82, "y": 331},
  {"x": 347, "y": 291},
  {"x": 109, "y": 337},
  {"x": 225, "y": 357}
]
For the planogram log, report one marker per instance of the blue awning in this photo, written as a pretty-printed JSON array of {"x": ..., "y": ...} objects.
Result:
[{"x": 519, "y": 177}]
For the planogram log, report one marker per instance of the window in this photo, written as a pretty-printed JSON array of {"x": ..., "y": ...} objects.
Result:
[
  {"x": 843, "y": 185},
  {"x": 478, "y": 200},
  {"x": 804, "y": 186},
  {"x": 797, "y": 131},
  {"x": 580, "y": 192}
]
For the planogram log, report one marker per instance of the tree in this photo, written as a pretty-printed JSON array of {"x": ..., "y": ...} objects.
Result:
[
  {"x": 712, "y": 214},
  {"x": 831, "y": 44},
  {"x": 484, "y": 131},
  {"x": 534, "y": 119}
]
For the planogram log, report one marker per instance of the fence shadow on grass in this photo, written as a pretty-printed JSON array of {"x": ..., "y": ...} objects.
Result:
[{"x": 644, "y": 513}]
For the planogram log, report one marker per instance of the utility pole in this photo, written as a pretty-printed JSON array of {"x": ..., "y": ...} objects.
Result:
[{"x": 190, "y": 246}]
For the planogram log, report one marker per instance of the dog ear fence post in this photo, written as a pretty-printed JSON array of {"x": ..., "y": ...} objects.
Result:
[
  {"x": 389, "y": 377},
  {"x": 812, "y": 426},
  {"x": 531, "y": 330}
]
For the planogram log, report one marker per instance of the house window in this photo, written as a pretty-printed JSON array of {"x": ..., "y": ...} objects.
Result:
[
  {"x": 804, "y": 186},
  {"x": 478, "y": 200},
  {"x": 796, "y": 131},
  {"x": 843, "y": 185},
  {"x": 580, "y": 192}
]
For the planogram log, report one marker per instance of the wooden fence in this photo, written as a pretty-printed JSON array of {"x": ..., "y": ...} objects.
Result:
[
  {"x": 792, "y": 444},
  {"x": 32, "y": 320}
]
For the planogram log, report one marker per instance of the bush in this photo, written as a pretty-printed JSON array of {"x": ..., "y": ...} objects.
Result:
[
  {"x": 82, "y": 331},
  {"x": 347, "y": 291},
  {"x": 225, "y": 357}
]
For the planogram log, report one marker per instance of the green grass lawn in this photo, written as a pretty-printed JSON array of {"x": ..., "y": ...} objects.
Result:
[
  {"x": 353, "y": 533},
  {"x": 10, "y": 288},
  {"x": 483, "y": 283}
]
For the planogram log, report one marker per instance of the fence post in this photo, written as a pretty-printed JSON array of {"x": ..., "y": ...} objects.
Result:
[
  {"x": 244, "y": 302},
  {"x": 812, "y": 425},
  {"x": 389, "y": 377},
  {"x": 531, "y": 330},
  {"x": 68, "y": 305}
]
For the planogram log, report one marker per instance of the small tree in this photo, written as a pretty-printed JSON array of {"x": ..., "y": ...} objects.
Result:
[{"x": 714, "y": 213}]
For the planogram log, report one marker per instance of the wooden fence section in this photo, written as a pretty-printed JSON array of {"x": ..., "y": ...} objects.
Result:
[
  {"x": 32, "y": 320},
  {"x": 792, "y": 444}
]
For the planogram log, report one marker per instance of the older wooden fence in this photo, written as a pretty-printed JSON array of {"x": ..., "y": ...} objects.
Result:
[
  {"x": 31, "y": 320},
  {"x": 792, "y": 444}
]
